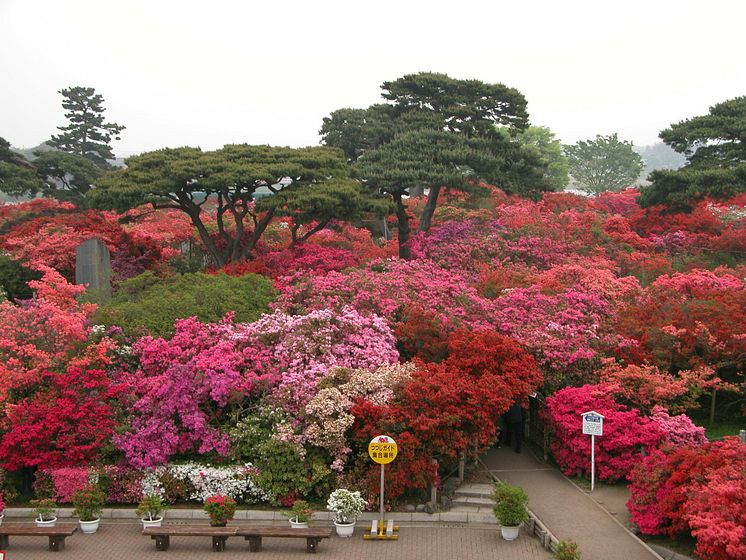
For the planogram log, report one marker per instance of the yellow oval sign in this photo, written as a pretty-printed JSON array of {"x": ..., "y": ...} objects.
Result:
[{"x": 382, "y": 449}]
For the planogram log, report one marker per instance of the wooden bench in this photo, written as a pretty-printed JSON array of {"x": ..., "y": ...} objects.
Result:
[
  {"x": 162, "y": 535},
  {"x": 56, "y": 534},
  {"x": 313, "y": 535}
]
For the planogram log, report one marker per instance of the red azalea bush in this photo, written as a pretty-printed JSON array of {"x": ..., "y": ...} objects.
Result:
[
  {"x": 701, "y": 490},
  {"x": 626, "y": 433},
  {"x": 221, "y": 509}
]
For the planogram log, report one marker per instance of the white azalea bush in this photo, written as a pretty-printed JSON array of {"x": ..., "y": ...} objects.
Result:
[
  {"x": 235, "y": 481},
  {"x": 347, "y": 506}
]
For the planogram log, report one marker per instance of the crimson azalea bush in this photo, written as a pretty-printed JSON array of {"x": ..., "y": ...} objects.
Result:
[
  {"x": 626, "y": 433},
  {"x": 696, "y": 489}
]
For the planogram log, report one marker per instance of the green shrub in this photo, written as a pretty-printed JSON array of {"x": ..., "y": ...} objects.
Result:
[
  {"x": 14, "y": 278},
  {"x": 566, "y": 550},
  {"x": 88, "y": 502},
  {"x": 147, "y": 304},
  {"x": 510, "y": 504}
]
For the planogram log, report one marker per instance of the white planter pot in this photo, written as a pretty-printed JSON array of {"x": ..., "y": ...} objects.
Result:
[
  {"x": 46, "y": 524},
  {"x": 154, "y": 523},
  {"x": 298, "y": 524},
  {"x": 510, "y": 533},
  {"x": 345, "y": 529},
  {"x": 89, "y": 527}
]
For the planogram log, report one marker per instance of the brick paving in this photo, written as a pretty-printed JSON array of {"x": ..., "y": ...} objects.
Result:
[{"x": 121, "y": 540}]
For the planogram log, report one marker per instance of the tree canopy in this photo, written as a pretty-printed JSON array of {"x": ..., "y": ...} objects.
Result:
[
  {"x": 715, "y": 148},
  {"x": 604, "y": 164},
  {"x": 87, "y": 134},
  {"x": 220, "y": 186},
  {"x": 52, "y": 173}
]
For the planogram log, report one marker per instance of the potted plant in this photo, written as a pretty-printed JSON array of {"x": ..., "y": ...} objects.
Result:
[
  {"x": 45, "y": 512},
  {"x": 88, "y": 502},
  {"x": 347, "y": 507},
  {"x": 151, "y": 509},
  {"x": 566, "y": 550},
  {"x": 221, "y": 509},
  {"x": 510, "y": 509},
  {"x": 299, "y": 515}
]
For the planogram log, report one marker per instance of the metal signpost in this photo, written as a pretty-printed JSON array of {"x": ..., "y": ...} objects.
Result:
[
  {"x": 383, "y": 450},
  {"x": 593, "y": 425}
]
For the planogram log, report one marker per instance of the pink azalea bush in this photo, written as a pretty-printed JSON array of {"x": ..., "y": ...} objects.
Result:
[
  {"x": 626, "y": 433},
  {"x": 678, "y": 429}
]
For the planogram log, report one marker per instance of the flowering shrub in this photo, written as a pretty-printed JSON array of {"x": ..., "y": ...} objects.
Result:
[
  {"x": 234, "y": 481},
  {"x": 347, "y": 506},
  {"x": 697, "y": 489},
  {"x": 626, "y": 433},
  {"x": 221, "y": 509},
  {"x": 678, "y": 430}
]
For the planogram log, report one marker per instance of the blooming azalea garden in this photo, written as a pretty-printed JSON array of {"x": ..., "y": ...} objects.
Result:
[{"x": 638, "y": 314}]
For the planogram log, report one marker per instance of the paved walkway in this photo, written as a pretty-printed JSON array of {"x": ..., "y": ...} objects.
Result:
[
  {"x": 566, "y": 511},
  {"x": 121, "y": 540}
]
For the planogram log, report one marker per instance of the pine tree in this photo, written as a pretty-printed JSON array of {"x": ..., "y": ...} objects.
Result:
[{"x": 87, "y": 134}]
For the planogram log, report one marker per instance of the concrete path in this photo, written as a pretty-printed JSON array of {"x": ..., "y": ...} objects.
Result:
[{"x": 564, "y": 509}]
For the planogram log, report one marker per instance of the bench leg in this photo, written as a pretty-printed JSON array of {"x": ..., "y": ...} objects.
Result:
[
  {"x": 56, "y": 543},
  {"x": 311, "y": 544},
  {"x": 162, "y": 542},
  {"x": 255, "y": 543},
  {"x": 218, "y": 544},
  {"x": 4, "y": 541}
]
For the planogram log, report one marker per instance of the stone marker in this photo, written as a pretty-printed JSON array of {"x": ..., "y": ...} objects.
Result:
[{"x": 93, "y": 267}]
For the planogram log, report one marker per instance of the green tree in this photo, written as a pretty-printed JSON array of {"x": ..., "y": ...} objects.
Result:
[
  {"x": 18, "y": 176},
  {"x": 429, "y": 159},
  {"x": 192, "y": 181},
  {"x": 87, "y": 134},
  {"x": 147, "y": 304},
  {"x": 52, "y": 174},
  {"x": 715, "y": 148},
  {"x": 548, "y": 150},
  {"x": 603, "y": 164}
]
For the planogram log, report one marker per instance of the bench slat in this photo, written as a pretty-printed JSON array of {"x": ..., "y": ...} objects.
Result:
[
  {"x": 288, "y": 532},
  {"x": 190, "y": 531},
  {"x": 24, "y": 529}
]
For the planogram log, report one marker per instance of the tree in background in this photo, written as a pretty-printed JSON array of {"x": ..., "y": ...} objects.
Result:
[
  {"x": 715, "y": 148},
  {"x": 220, "y": 186},
  {"x": 548, "y": 150},
  {"x": 431, "y": 159},
  {"x": 603, "y": 164},
  {"x": 87, "y": 134},
  {"x": 53, "y": 174}
]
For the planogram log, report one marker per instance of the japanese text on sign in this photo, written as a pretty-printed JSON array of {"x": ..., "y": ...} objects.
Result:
[{"x": 382, "y": 449}]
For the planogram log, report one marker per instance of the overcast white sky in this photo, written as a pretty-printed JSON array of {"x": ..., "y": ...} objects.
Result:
[{"x": 210, "y": 72}]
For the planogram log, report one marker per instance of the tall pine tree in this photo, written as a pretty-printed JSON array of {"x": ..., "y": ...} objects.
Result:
[{"x": 87, "y": 134}]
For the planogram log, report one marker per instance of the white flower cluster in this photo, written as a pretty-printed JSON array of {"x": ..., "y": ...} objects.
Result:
[
  {"x": 98, "y": 329},
  {"x": 235, "y": 481},
  {"x": 347, "y": 506}
]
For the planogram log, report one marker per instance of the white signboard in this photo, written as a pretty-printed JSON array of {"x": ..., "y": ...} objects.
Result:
[{"x": 593, "y": 424}]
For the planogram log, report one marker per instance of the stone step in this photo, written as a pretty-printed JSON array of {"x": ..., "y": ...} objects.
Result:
[
  {"x": 475, "y": 501},
  {"x": 475, "y": 490}
]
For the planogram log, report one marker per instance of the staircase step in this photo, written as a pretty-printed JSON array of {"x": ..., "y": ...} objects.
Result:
[
  {"x": 475, "y": 490},
  {"x": 473, "y": 501}
]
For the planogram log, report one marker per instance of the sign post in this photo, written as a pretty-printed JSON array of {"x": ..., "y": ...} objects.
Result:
[
  {"x": 593, "y": 425},
  {"x": 383, "y": 450}
]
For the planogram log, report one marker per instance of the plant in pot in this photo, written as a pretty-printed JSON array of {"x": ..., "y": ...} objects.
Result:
[
  {"x": 88, "y": 502},
  {"x": 150, "y": 510},
  {"x": 299, "y": 515},
  {"x": 510, "y": 509},
  {"x": 347, "y": 507},
  {"x": 45, "y": 512},
  {"x": 221, "y": 509},
  {"x": 566, "y": 550}
]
